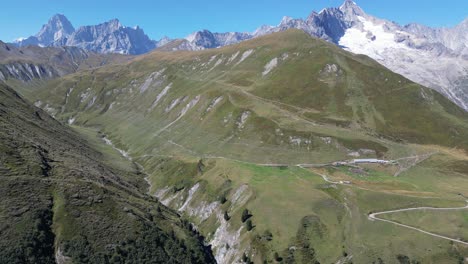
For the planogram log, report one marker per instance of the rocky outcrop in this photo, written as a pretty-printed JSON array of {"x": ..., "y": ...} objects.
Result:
[
  {"x": 26, "y": 71},
  {"x": 31, "y": 62},
  {"x": 226, "y": 238}
]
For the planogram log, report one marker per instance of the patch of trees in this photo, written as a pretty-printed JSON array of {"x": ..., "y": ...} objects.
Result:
[
  {"x": 36, "y": 246},
  {"x": 246, "y": 259},
  {"x": 245, "y": 215},
  {"x": 151, "y": 246},
  {"x": 249, "y": 225},
  {"x": 200, "y": 166},
  {"x": 266, "y": 236},
  {"x": 378, "y": 261},
  {"x": 245, "y": 218},
  {"x": 226, "y": 216},
  {"x": 402, "y": 259}
]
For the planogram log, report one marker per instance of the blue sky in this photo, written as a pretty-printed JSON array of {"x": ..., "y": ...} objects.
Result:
[{"x": 181, "y": 17}]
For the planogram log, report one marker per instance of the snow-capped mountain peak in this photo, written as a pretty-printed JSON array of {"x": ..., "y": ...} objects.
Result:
[{"x": 434, "y": 57}]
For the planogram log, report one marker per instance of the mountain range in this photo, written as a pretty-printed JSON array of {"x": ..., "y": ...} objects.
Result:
[
  {"x": 434, "y": 57},
  {"x": 278, "y": 146},
  {"x": 250, "y": 143},
  {"x": 108, "y": 37}
]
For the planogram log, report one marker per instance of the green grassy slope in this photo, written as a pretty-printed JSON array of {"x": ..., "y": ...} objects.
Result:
[
  {"x": 61, "y": 200},
  {"x": 285, "y": 98}
]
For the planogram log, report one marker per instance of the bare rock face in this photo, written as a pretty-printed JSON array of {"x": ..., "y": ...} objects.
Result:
[
  {"x": 112, "y": 37},
  {"x": 206, "y": 39},
  {"x": 108, "y": 37},
  {"x": 54, "y": 33}
]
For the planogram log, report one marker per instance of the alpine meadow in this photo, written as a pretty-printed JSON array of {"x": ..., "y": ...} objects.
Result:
[{"x": 340, "y": 138}]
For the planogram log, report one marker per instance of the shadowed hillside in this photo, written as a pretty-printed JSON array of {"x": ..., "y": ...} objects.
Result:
[{"x": 64, "y": 201}]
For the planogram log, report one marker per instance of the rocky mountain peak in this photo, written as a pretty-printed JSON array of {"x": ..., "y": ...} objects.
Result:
[
  {"x": 286, "y": 20},
  {"x": 203, "y": 38},
  {"x": 113, "y": 24},
  {"x": 350, "y": 9},
  {"x": 57, "y": 28}
]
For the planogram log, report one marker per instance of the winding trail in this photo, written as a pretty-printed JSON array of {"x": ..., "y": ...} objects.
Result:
[{"x": 373, "y": 216}]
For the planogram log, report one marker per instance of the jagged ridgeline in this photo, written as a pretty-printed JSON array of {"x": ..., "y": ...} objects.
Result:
[
  {"x": 217, "y": 132},
  {"x": 62, "y": 201}
]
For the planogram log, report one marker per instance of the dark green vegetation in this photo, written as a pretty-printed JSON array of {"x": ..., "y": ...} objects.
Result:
[
  {"x": 205, "y": 126},
  {"x": 62, "y": 203}
]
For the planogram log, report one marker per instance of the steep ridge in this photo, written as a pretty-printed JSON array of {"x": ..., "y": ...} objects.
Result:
[
  {"x": 202, "y": 123},
  {"x": 62, "y": 201},
  {"x": 31, "y": 63}
]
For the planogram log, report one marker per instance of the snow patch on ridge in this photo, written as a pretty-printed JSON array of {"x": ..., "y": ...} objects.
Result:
[{"x": 371, "y": 40}]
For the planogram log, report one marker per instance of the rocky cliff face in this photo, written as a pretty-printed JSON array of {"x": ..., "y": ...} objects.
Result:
[
  {"x": 206, "y": 39},
  {"x": 108, "y": 37},
  {"x": 54, "y": 33},
  {"x": 26, "y": 71},
  {"x": 112, "y": 37}
]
